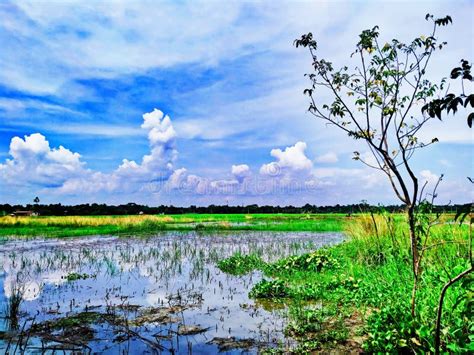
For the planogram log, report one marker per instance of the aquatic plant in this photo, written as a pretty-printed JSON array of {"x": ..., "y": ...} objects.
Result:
[
  {"x": 13, "y": 306},
  {"x": 270, "y": 289},
  {"x": 314, "y": 261},
  {"x": 239, "y": 264},
  {"x": 74, "y": 276}
]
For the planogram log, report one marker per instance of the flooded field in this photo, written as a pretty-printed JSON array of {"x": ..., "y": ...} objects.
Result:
[{"x": 160, "y": 294}]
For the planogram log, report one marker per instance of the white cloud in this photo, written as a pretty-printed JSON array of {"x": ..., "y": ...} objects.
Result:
[
  {"x": 291, "y": 159},
  {"x": 34, "y": 162},
  {"x": 206, "y": 128},
  {"x": 159, "y": 163},
  {"x": 176, "y": 178},
  {"x": 240, "y": 172},
  {"x": 329, "y": 157},
  {"x": 290, "y": 173},
  {"x": 68, "y": 40},
  {"x": 160, "y": 128},
  {"x": 91, "y": 183}
]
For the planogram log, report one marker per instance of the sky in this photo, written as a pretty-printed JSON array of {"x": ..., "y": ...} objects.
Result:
[{"x": 201, "y": 102}]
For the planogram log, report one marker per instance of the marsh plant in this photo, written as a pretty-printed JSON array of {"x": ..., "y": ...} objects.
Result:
[{"x": 13, "y": 304}]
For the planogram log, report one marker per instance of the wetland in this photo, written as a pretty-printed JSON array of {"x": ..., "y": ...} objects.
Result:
[{"x": 162, "y": 293}]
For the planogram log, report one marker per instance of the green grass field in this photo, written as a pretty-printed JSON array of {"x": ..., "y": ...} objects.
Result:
[
  {"x": 356, "y": 296},
  {"x": 146, "y": 224}
]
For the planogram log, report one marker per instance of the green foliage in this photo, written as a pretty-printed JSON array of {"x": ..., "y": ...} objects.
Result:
[
  {"x": 304, "y": 321},
  {"x": 270, "y": 289},
  {"x": 392, "y": 329},
  {"x": 239, "y": 264},
  {"x": 450, "y": 101},
  {"x": 346, "y": 282},
  {"x": 314, "y": 261}
]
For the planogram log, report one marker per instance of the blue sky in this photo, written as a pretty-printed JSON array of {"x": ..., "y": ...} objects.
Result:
[{"x": 82, "y": 75}]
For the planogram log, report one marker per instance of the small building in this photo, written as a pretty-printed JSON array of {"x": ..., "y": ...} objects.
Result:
[{"x": 24, "y": 214}]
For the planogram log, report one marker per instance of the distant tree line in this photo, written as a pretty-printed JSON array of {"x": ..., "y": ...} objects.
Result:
[{"x": 133, "y": 208}]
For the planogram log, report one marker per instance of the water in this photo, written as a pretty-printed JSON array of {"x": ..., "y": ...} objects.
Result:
[{"x": 159, "y": 294}]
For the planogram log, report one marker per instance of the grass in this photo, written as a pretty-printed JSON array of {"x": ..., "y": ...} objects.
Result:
[
  {"x": 63, "y": 226},
  {"x": 362, "y": 289}
]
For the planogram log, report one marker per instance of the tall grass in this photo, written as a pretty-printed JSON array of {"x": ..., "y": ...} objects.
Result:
[
  {"x": 373, "y": 283},
  {"x": 380, "y": 256}
]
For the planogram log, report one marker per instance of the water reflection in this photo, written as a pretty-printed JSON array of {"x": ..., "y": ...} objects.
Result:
[{"x": 160, "y": 294}]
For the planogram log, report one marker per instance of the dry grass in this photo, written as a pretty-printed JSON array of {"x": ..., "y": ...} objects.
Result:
[{"x": 85, "y": 221}]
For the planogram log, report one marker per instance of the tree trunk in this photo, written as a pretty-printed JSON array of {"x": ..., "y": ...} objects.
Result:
[
  {"x": 414, "y": 254},
  {"x": 413, "y": 239}
]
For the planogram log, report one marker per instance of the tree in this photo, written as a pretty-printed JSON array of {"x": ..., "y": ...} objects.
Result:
[
  {"x": 36, "y": 200},
  {"x": 374, "y": 103}
]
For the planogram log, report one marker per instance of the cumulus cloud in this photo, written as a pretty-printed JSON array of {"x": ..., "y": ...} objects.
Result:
[
  {"x": 188, "y": 184},
  {"x": 34, "y": 162},
  {"x": 292, "y": 173},
  {"x": 158, "y": 165},
  {"x": 291, "y": 159},
  {"x": 161, "y": 130}
]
